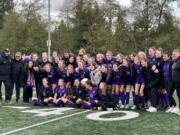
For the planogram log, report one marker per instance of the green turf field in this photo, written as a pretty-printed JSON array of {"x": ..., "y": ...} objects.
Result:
[{"x": 74, "y": 122}]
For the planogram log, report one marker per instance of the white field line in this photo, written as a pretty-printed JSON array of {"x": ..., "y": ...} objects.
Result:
[{"x": 42, "y": 123}]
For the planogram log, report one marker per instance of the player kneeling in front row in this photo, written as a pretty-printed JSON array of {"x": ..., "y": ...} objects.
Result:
[
  {"x": 45, "y": 94},
  {"x": 60, "y": 95},
  {"x": 77, "y": 93},
  {"x": 91, "y": 100},
  {"x": 106, "y": 98}
]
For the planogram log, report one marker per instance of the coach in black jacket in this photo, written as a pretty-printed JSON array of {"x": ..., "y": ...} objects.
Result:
[
  {"x": 16, "y": 76},
  {"x": 176, "y": 72},
  {"x": 5, "y": 72},
  {"x": 152, "y": 77}
]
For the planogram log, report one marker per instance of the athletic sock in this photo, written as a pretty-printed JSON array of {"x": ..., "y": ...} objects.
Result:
[
  {"x": 59, "y": 102},
  {"x": 85, "y": 105},
  {"x": 137, "y": 100},
  {"x": 166, "y": 100},
  {"x": 142, "y": 102},
  {"x": 122, "y": 95},
  {"x": 134, "y": 98},
  {"x": 127, "y": 98},
  {"x": 117, "y": 96},
  {"x": 70, "y": 104}
]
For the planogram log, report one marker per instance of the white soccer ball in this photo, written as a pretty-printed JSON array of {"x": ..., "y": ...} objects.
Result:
[{"x": 83, "y": 81}]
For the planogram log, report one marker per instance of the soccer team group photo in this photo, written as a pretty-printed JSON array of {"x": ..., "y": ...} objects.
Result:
[{"x": 109, "y": 67}]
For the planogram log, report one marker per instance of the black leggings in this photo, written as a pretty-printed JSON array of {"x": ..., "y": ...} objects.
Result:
[
  {"x": 177, "y": 86},
  {"x": 7, "y": 90},
  {"x": 18, "y": 87},
  {"x": 146, "y": 95},
  {"x": 153, "y": 96},
  {"x": 106, "y": 105},
  {"x": 27, "y": 94},
  {"x": 170, "y": 87}
]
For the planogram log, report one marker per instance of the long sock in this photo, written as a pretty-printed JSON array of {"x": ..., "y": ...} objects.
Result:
[
  {"x": 127, "y": 98},
  {"x": 166, "y": 100},
  {"x": 159, "y": 99},
  {"x": 122, "y": 95},
  {"x": 133, "y": 97},
  {"x": 59, "y": 102},
  {"x": 137, "y": 101},
  {"x": 162, "y": 97},
  {"x": 51, "y": 101},
  {"x": 35, "y": 101},
  {"x": 85, "y": 105},
  {"x": 70, "y": 104},
  {"x": 117, "y": 96},
  {"x": 142, "y": 102}
]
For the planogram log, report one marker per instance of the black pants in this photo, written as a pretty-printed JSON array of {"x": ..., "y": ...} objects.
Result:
[
  {"x": 146, "y": 94},
  {"x": 153, "y": 96},
  {"x": 38, "y": 86},
  {"x": 170, "y": 87},
  {"x": 106, "y": 105},
  {"x": 7, "y": 90},
  {"x": 17, "y": 88},
  {"x": 0, "y": 91},
  {"x": 177, "y": 86},
  {"x": 27, "y": 94}
]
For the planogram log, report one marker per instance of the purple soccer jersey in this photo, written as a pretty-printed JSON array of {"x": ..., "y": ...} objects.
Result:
[
  {"x": 117, "y": 77},
  {"x": 151, "y": 60},
  {"x": 105, "y": 77},
  {"x": 166, "y": 71},
  {"x": 52, "y": 77},
  {"x": 61, "y": 74},
  {"x": 82, "y": 74},
  {"x": 128, "y": 75},
  {"x": 100, "y": 63},
  {"x": 139, "y": 78},
  {"x": 93, "y": 94},
  {"x": 61, "y": 91},
  {"x": 110, "y": 63}
]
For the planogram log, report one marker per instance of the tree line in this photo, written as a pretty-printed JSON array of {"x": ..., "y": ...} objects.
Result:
[{"x": 97, "y": 27}]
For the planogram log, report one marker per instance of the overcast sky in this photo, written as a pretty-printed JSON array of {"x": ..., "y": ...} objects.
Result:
[{"x": 56, "y": 4}]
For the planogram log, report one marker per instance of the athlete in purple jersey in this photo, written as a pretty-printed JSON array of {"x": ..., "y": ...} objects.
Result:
[
  {"x": 60, "y": 96},
  {"x": 91, "y": 98},
  {"x": 139, "y": 83}
]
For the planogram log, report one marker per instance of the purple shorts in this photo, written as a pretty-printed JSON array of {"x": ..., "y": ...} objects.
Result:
[
  {"x": 118, "y": 82},
  {"x": 139, "y": 80}
]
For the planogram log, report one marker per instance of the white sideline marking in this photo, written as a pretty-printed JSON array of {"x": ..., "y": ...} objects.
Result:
[
  {"x": 128, "y": 115},
  {"x": 42, "y": 123},
  {"x": 17, "y": 107},
  {"x": 48, "y": 111}
]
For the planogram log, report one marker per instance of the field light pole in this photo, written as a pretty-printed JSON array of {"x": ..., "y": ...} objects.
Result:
[{"x": 49, "y": 30}]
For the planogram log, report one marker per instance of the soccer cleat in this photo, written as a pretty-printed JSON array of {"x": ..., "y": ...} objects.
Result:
[
  {"x": 169, "y": 110},
  {"x": 10, "y": 103},
  {"x": 126, "y": 106},
  {"x": 175, "y": 110},
  {"x": 133, "y": 107},
  {"x": 109, "y": 109},
  {"x": 122, "y": 107},
  {"x": 151, "y": 109},
  {"x": 99, "y": 108}
]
